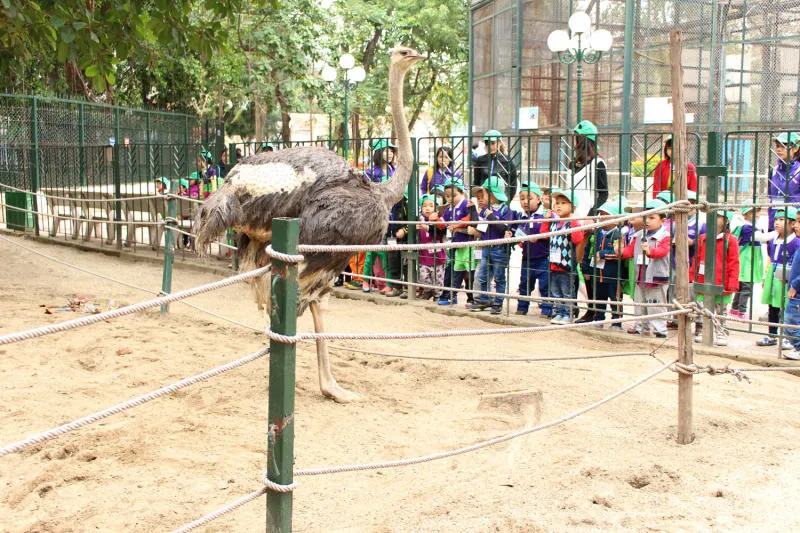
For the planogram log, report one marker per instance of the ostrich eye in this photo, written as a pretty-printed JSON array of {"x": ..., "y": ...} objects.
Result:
[{"x": 404, "y": 52}]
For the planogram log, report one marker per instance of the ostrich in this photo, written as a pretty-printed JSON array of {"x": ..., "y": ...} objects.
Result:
[{"x": 335, "y": 205}]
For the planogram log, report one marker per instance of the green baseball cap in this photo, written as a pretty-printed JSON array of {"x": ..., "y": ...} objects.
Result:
[
  {"x": 163, "y": 180},
  {"x": 555, "y": 192},
  {"x": 788, "y": 212},
  {"x": 746, "y": 209},
  {"x": 427, "y": 197},
  {"x": 726, "y": 213},
  {"x": 455, "y": 183},
  {"x": 587, "y": 129},
  {"x": 380, "y": 144},
  {"x": 184, "y": 182},
  {"x": 492, "y": 135},
  {"x": 194, "y": 176},
  {"x": 610, "y": 207},
  {"x": 654, "y": 204},
  {"x": 497, "y": 186},
  {"x": 438, "y": 190},
  {"x": 531, "y": 187},
  {"x": 205, "y": 154},
  {"x": 785, "y": 139}
]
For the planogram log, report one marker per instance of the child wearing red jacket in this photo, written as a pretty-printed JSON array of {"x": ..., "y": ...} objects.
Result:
[
  {"x": 650, "y": 249},
  {"x": 726, "y": 265}
]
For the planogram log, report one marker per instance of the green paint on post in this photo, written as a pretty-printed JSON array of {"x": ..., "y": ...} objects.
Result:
[
  {"x": 117, "y": 183},
  {"x": 709, "y": 288},
  {"x": 627, "y": 90},
  {"x": 283, "y": 320},
  {"x": 36, "y": 176},
  {"x": 169, "y": 243}
]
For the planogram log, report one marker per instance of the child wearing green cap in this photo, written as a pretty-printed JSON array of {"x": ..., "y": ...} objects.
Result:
[
  {"x": 431, "y": 261},
  {"x": 461, "y": 268},
  {"x": 781, "y": 250},
  {"x": 726, "y": 264},
  {"x": 489, "y": 204},
  {"x": 751, "y": 260},
  {"x": 535, "y": 264},
  {"x": 605, "y": 266},
  {"x": 562, "y": 254},
  {"x": 650, "y": 249}
]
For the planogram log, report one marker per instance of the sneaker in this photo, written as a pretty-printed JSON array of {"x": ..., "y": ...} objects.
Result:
[
  {"x": 766, "y": 341},
  {"x": 352, "y": 285},
  {"x": 444, "y": 301},
  {"x": 616, "y": 327},
  {"x": 454, "y": 301},
  {"x": 794, "y": 355},
  {"x": 365, "y": 288},
  {"x": 386, "y": 290},
  {"x": 786, "y": 345},
  {"x": 558, "y": 319},
  {"x": 394, "y": 292},
  {"x": 660, "y": 335},
  {"x": 634, "y": 331},
  {"x": 520, "y": 312},
  {"x": 720, "y": 339},
  {"x": 403, "y": 295},
  {"x": 475, "y": 306},
  {"x": 496, "y": 310},
  {"x": 736, "y": 314},
  {"x": 698, "y": 337}
]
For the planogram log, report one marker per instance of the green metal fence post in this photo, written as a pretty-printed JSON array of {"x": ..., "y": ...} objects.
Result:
[
  {"x": 627, "y": 89},
  {"x": 169, "y": 243},
  {"x": 413, "y": 201},
  {"x": 149, "y": 174},
  {"x": 283, "y": 320},
  {"x": 82, "y": 144},
  {"x": 117, "y": 183},
  {"x": 709, "y": 288},
  {"x": 36, "y": 176}
]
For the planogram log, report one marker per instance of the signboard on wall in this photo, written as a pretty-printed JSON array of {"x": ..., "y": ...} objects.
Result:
[
  {"x": 658, "y": 110},
  {"x": 528, "y": 118}
]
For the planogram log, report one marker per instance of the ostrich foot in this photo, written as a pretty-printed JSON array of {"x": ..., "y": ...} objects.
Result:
[{"x": 339, "y": 394}]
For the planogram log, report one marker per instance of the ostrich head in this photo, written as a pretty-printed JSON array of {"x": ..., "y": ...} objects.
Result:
[{"x": 403, "y": 57}]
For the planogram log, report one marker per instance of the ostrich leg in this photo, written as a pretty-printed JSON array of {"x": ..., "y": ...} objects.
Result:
[{"x": 327, "y": 383}]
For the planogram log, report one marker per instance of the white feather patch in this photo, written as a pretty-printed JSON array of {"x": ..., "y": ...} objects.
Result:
[{"x": 271, "y": 178}]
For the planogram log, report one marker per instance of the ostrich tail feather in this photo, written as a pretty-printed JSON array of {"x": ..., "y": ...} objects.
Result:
[{"x": 218, "y": 213}]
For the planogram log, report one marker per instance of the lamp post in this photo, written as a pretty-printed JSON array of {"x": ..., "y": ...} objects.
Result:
[
  {"x": 582, "y": 46},
  {"x": 352, "y": 76}
]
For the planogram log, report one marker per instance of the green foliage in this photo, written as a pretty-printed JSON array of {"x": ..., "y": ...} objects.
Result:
[{"x": 637, "y": 167}]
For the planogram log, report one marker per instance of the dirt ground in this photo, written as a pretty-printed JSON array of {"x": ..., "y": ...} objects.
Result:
[{"x": 159, "y": 466}]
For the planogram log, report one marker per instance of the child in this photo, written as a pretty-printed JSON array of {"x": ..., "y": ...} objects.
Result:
[
  {"x": 489, "y": 204},
  {"x": 162, "y": 185},
  {"x": 431, "y": 261},
  {"x": 649, "y": 249},
  {"x": 634, "y": 226},
  {"x": 535, "y": 264},
  {"x": 562, "y": 255},
  {"x": 375, "y": 265},
  {"x": 183, "y": 187},
  {"x": 462, "y": 266},
  {"x": 781, "y": 251},
  {"x": 546, "y": 199},
  {"x": 194, "y": 185},
  {"x": 605, "y": 266},
  {"x": 792, "y": 314},
  {"x": 727, "y": 262},
  {"x": 751, "y": 260}
]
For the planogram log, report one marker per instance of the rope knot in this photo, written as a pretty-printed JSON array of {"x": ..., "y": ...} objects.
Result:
[
  {"x": 276, "y": 487},
  {"x": 286, "y": 258},
  {"x": 285, "y": 339}
]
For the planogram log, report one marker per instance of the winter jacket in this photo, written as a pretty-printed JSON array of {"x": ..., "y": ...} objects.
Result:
[
  {"x": 784, "y": 186},
  {"x": 662, "y": 177},
  {"x": 609, "y": 269},
  {"x": 494, "y": 213},
  {"x": 435, "y": 233},
  {"x": 458, "y": 212},
  {"x": 590, "y": 184},
  {"x": 727, "y": 256},
  {"x": 500, "y": 165},
  {"x": 376, "y": 174},
  {"x": 434, "y": 178},
  {"x": 652, "y": 269}
]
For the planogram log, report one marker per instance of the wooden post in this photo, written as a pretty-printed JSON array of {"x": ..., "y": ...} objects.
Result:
[
  {"x": 283, "y": 320},
  {"x": 169, "y": 243},
  {"x": 680, "y": 165}
]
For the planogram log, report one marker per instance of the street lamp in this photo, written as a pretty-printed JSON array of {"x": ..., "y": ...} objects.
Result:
[
  {"x": 352, "y": 76},
  {"x": 583, "y": 46}
]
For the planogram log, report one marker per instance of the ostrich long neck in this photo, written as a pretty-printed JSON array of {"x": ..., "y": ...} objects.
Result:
[{"x": 393, "y": 189}]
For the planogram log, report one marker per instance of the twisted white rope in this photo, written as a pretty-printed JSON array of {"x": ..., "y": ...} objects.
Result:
[
  {"x": 78, "y": 191},
  {"x": 312, "y": 248},
  {"x": 275, "y": 487},
  {"x": 222, "y": 511},
  {"x": 482, "y": 444},
  {"x": 286, "y": 258},
  {"x": 286, "y": 339},
  {"x": 84, "y": 219},
  {"x": 130, "y": 309},
  {"x": 135, "y": 402}
]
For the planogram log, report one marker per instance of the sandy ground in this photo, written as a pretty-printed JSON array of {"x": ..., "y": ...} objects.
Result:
[{"x": 164, "y": 464}]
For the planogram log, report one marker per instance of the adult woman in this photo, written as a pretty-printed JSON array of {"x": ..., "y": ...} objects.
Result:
[
  {"x": 662, "y": 174},
  {"x": 784, "y": 177},
  {"x": 589, "y": 178},
  {"x": 441, "y": 174},
  {"x": 495, "y": 162}
]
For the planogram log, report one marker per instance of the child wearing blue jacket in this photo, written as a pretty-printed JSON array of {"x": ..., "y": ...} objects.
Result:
[
  {"x": 605, "y": 266},
  {"x": 535, "y": 254},
  {"x": 489, "y": 204}
]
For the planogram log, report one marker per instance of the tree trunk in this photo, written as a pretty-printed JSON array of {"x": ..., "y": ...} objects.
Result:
[{"x": 286, "y": 130}]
